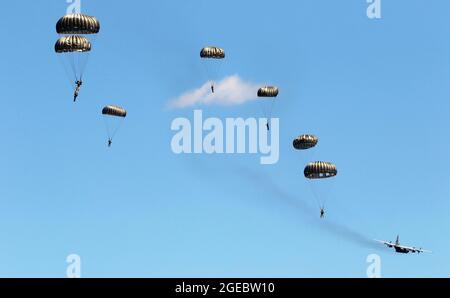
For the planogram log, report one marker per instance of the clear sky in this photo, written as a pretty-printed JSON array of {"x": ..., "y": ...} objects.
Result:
[{"x": 376, "y": 92}]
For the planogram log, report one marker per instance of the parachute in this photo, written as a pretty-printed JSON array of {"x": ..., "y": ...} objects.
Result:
[
  {"x": 212, "y": 53},
  {"x": 77, "y": 24},
  {"x": 212, "y": 58},
  {"x": 74, "y": 51},
  {"x": 114, "y": 111},
  {"x": 319, "y": 175},
  {"x": 113, "y": 116},
  {"x": 71, "y": 44},
  {"x": 305, "y": 142},
  {"x": 267, "y": 92},
  {"x": 74, "y": 47},
  {"x": 320, "y": 170}
]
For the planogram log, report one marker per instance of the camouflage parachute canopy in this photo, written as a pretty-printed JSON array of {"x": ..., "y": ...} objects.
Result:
[
  {"x": 73, "y": 43},
  {"x": 114, "y": 111},
  {"x": 268, "y": 91},
  {"x": 305, "y": 142},
  {"x": 320, "y": 170},
  {"x": 77, "y": 24},
  {"x": 212, "y": 53}
]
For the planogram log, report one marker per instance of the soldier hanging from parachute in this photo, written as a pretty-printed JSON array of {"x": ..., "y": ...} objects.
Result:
[
  {"x": 212, "y": 57},
  {"x": 319, "y": 171},
  {"x": 113, "y": 114},
  {"x": 268, "y": 92},
  {"x": 74, "y": 46}
]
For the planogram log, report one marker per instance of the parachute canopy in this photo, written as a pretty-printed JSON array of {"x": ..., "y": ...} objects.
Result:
[
  {"x": 114, "y": 111},
  {"x": 268, "y": 91},
  {"x": 73, "y": 43},
  {"x": 320, "y": 170},
  {"x": 212, "y": 53},
  {"x": 77, "y": 24},
  {"x": 305, "y": 142}
]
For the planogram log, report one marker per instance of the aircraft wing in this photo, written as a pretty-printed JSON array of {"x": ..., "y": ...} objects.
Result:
[
  {"x": 389, "y": 244},
  {"x": 404, "y": 248},
  {"x": 413, "y": 249}
]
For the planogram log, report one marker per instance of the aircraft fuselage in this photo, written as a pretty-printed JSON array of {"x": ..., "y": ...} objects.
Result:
[{"x": 401, "y": 250}]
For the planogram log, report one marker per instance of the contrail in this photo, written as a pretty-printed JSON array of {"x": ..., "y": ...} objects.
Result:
[
  {"x": 261, "y": 181},
  {"x": 340, "y": 230}
]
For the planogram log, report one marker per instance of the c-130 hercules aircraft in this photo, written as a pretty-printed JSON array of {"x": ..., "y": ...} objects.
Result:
[{"x": 402, "y": 249}]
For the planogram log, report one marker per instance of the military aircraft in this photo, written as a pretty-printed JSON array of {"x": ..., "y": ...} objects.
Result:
[{"x": 402, "y": 249}]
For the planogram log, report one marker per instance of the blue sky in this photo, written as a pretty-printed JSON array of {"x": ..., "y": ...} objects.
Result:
[{"x": 375, "y": 92}]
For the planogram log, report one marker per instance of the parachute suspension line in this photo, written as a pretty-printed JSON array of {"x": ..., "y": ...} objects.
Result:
[
  {"x": 72, "y": 64},
  {"x": 319, "y": 202},
  {"x": 213, "y": 69},
  {"x": 218, "y": 71},
  {"x": 262, "y": 108},
  {"x": 70, "y": 76},
  {"x": 322, "y": 196},
  {"x": 261, "y": 105},
  {"x": 83, "y": 64},
  {"x": 77, "y": 66},
  {"x": 272, "y": 105},
  {"x": 210, "y": 73},
  {"x": 105, "y": 121},
  {"x": 269, "y": 117},
  {"x": 117, "y": 129},
  {"x": 112, "y": 133},
  {"x": 328, "y": 192},
  {"x": 208, "y": 76},
  {"x": 267, "y": 112}
]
